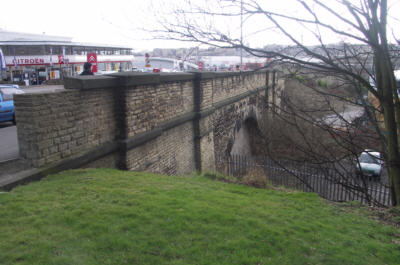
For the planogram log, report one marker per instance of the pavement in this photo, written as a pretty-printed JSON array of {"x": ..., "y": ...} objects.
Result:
[
  {"x": 8, "y": 142},
  {"x": 12, "y": 167}
]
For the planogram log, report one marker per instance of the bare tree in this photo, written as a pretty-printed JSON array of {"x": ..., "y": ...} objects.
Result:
[
  {"x": 311, "y": 125},
  {"x": 363, "y": 56}
]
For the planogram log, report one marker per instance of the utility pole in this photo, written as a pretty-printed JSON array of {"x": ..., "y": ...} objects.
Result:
[{"x": 241, "y": 34}]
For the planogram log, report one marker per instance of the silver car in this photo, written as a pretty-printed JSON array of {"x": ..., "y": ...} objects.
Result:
[{"x": 370, "y": 164}]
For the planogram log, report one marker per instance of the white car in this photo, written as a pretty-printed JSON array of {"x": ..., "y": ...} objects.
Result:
[{"x": 370, "y": 164}]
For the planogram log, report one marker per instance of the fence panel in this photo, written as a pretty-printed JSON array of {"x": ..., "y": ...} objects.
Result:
[{"x": 327, "y": 181}]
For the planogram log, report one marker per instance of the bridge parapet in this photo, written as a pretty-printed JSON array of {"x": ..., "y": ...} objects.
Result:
[{"x": 136, "y": 121}]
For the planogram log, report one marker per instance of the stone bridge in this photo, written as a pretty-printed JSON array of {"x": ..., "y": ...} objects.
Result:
[{"x": 171, "y": 123}]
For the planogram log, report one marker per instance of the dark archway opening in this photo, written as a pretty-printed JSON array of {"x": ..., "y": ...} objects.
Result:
[{"x": 249, "y": 141}]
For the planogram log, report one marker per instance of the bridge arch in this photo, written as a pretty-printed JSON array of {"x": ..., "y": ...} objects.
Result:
[
  {"x": 238, "y": 129},
  {"x": 247, "y": 138}
]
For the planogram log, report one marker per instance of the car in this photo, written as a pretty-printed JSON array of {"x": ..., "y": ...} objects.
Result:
[
  {"x": 7, "y": 93},
  {"x": 369, "y": 164}
]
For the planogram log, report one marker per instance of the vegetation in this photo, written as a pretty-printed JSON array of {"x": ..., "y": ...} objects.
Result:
[
  {"x": 322, "y": 83},
  {"x": 355, "y": 42},
  {"x": 106, "y": 216}
]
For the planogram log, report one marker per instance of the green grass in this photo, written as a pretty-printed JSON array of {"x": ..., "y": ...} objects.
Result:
[{"x": 113, "y": 217}]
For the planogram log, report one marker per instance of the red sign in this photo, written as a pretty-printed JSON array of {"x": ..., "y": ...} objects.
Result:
[
  {"x": 92, "y": 58},
  {"x": 60, "y": 59},
  {"x": 201, "y": 65}
]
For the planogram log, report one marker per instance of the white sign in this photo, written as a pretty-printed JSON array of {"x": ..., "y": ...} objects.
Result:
[
  {"x": 27, "y": 60},
  {"x": 72, "y": 59}
]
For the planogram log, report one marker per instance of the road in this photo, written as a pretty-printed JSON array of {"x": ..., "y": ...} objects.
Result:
[
  {"x": 8, "y": 141},
  {"x": 342, "y": 119}
]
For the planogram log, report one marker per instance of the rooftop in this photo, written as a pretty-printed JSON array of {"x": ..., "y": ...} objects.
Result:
[{"x": 29, "y": 39}]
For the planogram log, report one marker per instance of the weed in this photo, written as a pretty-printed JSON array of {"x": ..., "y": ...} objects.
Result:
[{"x": 322, "y": 83}]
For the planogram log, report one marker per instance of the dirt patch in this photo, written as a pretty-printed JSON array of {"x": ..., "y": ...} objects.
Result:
[{"x": 388, "y": 216}]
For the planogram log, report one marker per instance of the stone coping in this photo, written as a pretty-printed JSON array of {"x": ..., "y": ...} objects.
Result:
[
  {"x": 126, "y": 79},
  {"x": 90, "y": 82}
]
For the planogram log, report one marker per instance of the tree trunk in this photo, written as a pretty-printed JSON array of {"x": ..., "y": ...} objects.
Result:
[
  {"x": 393, "y": 153},
  {"x": 386, "y": 85}
]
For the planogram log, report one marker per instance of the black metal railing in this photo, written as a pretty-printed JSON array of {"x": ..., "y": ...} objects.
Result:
[{"x": 328, "y": 181}]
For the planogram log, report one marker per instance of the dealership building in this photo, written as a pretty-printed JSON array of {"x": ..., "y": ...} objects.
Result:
[{"x": 34, "y": 58}]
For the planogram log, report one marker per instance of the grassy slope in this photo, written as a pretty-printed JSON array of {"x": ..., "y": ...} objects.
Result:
[{"x": 114, "y": 217}]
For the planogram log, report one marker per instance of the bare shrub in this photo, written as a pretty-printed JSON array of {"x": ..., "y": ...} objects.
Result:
[{"x": 255, "y": 177}]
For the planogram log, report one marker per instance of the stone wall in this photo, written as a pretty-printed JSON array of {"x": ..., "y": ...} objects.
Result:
[
  {"x": 230, "y": 86},
  {"x": 150, "y": 105},
  {"x": 54, "y": 126},
  {"x": 170, "y": 153},
  {"x": 167, "y": 123},
  {"x": 228, "y": 99}
]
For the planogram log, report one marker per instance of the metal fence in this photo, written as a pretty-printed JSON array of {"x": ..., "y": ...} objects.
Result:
[{"x": 327, "y": 181}]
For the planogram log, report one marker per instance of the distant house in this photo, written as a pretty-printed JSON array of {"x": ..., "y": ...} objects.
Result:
[{"x": 374, "y": 101}]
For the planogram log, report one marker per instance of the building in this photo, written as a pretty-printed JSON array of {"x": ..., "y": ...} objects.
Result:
[
  {"x": 164, "y": 64},
  {"x": 33, "y": 58},
  {"x": 377, "y": 105},
  {"x": 222, "y": 63}
]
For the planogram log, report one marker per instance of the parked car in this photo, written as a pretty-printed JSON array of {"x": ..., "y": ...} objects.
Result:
[
  {"x": 370, "y": 164},
  {"x": 7, "y": 92}
]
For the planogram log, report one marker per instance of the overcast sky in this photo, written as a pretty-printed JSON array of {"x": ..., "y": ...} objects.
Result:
[
  {"x": 96, "y": 21},
  {"x": 117, "y": 21}
]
